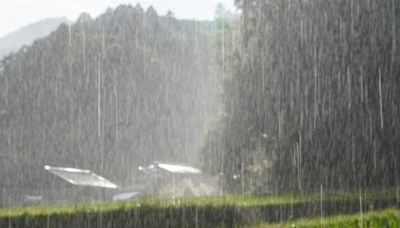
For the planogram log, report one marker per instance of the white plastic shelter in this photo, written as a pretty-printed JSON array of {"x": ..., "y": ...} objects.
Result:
[
  {"x": 125, "y": 196},
  {"x": 81, "y": 177},
  {"x": 177, "y": 168}
]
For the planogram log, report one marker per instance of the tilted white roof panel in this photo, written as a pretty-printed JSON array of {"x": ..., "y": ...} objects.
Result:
[
  {"x": 175, "y": 168},
  {"x": 125, "y": 196},
  {"x": 81, "y": 177}
]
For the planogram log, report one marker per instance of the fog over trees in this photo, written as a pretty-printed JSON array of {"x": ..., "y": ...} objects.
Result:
[
  {"x": 25, "y": 36},
  {"x": 108, "y": 94},
  {"x": 285, "y": 96}
]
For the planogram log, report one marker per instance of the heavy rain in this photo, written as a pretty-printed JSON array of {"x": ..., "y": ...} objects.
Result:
[{"x": 268, "y": 113}]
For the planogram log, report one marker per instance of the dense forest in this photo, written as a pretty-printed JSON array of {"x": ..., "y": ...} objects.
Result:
[
  {"x": 310, "y": 97},
  {"x": 107, "y": 94}
]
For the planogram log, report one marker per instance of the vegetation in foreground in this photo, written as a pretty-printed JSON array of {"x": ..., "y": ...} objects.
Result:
[
  {"x": 215, "y": 201},
  {"x": 384, "y": 218}
]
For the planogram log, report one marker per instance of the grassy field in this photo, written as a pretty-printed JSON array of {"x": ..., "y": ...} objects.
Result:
[
  {"x": 383, "y": 218},
  {"x": 226, "y": 210},
  {"x": 237, "y": 200}
]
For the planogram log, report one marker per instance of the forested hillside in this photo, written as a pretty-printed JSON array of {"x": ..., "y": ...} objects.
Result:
[
  {"x": 311, "y": 97},
  {"x": 108, "y": 94},
  {"x": 309, "y": 91}
]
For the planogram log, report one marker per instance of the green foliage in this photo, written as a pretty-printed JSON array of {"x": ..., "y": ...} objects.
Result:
[
  {"x": 212, "y": 211},
  {"x": 108, "y": 94},
  {"x": 386, "y": 218},
  {"x": 311, "y": 91},
  {"x": 239, "y": 200}
]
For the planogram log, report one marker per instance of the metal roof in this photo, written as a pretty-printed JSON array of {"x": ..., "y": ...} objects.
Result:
[
  {"x": 125, "y": 196},
  {"x": 178, "y": 168},
  {"x": 81, "y": 177}
]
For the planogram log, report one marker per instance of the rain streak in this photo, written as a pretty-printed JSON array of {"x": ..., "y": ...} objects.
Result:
[{"x": 281, "y": 113}]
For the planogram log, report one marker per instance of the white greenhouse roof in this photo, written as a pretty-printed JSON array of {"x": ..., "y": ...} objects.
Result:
[
  {"x": 125, "y": 196},
  {"x": 177, "y": 168},
  {"x": 81, "y": 177}
]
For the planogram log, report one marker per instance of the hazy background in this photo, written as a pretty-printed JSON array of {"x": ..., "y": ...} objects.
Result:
[{"x": 17, "y": 13}]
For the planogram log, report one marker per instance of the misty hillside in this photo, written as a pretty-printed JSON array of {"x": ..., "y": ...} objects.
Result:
[
  {"x": 107, "y": 94},
  {"x": 27, "y": 34}
]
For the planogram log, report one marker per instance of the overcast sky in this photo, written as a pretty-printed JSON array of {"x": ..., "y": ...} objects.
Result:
[{"x": 15, "y": 14}]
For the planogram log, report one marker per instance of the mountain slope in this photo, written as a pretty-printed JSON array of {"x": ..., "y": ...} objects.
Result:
[
  {"x": 107, "y": 94},
  {"x": 27, "y": 34}
]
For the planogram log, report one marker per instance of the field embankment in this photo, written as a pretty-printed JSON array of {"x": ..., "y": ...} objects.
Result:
[{"x": 224, "y": 211}]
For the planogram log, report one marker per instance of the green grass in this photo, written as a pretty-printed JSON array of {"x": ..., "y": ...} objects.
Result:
[
  {"x": 385, "y": 218},
  {"x": 246, "y": 200}
]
